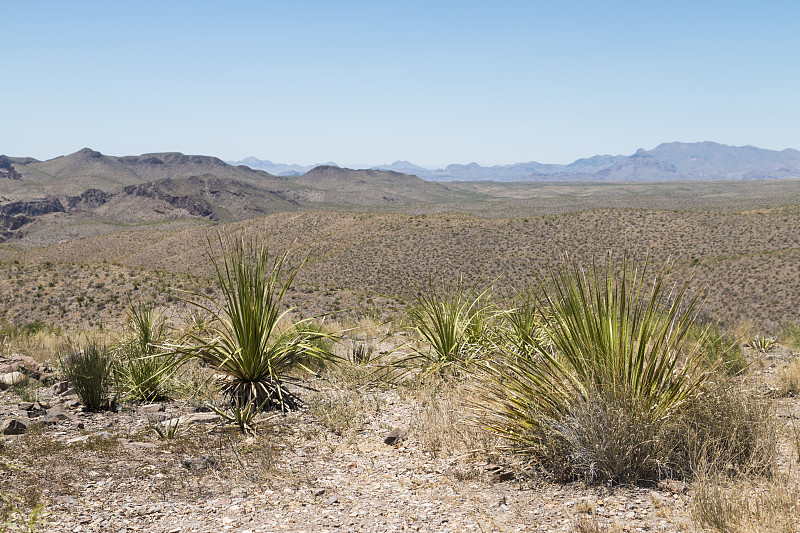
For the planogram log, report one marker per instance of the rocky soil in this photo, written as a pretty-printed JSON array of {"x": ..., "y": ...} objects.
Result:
[{"x": 358, "y": 457}]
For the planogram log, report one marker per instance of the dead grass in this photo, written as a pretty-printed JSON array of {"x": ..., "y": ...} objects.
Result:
[
  {"x": 746, "y": 504},
  {"x": 789, "y": 377}
]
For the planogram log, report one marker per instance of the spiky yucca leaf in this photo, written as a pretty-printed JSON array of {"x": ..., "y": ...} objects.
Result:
[
  {"x": 613, "y": 341},
  {"x": 246, "y": 343},
  {"x": 451, "y": 320},
  {"x": 144, "y": 370}
]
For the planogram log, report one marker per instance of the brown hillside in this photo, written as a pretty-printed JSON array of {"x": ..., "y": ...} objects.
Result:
[{"x": 749, "y": 261}]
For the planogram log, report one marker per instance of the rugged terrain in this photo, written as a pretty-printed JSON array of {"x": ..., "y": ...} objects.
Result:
[{"x": 365, "y": 452}]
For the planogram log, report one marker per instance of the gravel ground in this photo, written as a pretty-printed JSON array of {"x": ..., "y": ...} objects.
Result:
[{"x": 110, "y": 472}]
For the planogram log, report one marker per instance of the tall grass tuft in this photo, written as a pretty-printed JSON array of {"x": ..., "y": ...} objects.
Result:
[
  {"x": 596, "y": 402},
  {"x": 245, "y": 342},
  {"x": 144, "y": 370},
  {"x": 90, "y": 371}
]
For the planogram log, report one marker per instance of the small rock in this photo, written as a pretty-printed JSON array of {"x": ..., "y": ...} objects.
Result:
[
  {"x": 333, "y": 499},
  {"x": 55, "y": 415},
  {"x": 200, "y": 418},
  {"x": 13, "y": 427},
  {"x": 151, "y": 408},
  {"x": 201, "y": 462},
  {"x": 395, "y": 437},
  {"x": 25, "y": 406},
  {"x": 12, "y": 378},
  {"x": 61, "y": 387},
  {"x": 35, "y": 413},
  {"x": 317, "y": 492}
]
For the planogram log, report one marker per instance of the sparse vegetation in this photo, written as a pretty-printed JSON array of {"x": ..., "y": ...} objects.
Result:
[
  {"x": 90, "y": 371},
  {"x": 585, "y": 383}
]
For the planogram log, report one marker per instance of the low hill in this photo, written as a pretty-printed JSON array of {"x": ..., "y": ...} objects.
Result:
[
  {"x": 49, "y": 199},
  {"x": 342, "y": 186},
  {"x": 89, "y": 169}
]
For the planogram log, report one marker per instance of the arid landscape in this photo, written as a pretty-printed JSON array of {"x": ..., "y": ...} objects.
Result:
[{"x": 387, "y": 436}]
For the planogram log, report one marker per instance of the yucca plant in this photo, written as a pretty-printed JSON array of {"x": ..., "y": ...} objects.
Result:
[
  {"x": 451, "y": 321},
  {"x": 763, "y": 343},
  {"x": 166, "y": 430},
  {"x": 246, "y": 340},
  {"x": 520, "y": 324},
  {"x": 593, "y": 404},
  {"x": 144, "y": 368}
]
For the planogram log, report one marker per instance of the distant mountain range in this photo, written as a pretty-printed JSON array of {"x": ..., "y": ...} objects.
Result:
[
  {"x": 667, "y": 162},
  {"x": 88, "y": 186}
]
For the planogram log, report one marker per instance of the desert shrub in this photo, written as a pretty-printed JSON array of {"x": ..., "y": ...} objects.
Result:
[
  {"x": 729, "y": 425},
  {"x": 598, "y": 403},
  {"x": 452, "y": 323},
  {"x": 246, "y": 344},
  {"x": 790, "y": 335},
  {"x": 789, "y": 377},
  {"x": 90, "y": 371},
  {"x": 725, "y": 504},
  {"x": 144, "y": 368},
  {"x": 718, "y": 349}
]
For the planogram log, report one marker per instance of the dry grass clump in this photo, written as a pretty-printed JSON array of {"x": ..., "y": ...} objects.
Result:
[
  {"x": 440, "y": 423},
  {"x": 732, "y": 424},
  {"x": 789, "y": 377},
  {"x": 790, "y": 336},
  {"x": 743, "y": 504},
  {"x": 343, "y": 411}
]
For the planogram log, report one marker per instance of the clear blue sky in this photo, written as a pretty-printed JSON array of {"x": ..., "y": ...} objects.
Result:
[{"x": 373, "y": 82}]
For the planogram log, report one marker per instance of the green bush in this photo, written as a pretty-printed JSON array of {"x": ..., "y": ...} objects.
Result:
[
  {"x": 596, "y": 401},
  {"x": 90, "y": 371}
]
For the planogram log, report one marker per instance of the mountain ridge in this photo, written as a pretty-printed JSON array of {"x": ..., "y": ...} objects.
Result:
[{"x": 705, "y": 160}]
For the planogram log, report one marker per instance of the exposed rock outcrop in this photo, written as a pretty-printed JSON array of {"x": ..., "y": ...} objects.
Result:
[
  {"x": 88, "y": 199},
  {"x": 32, "y": 208},
  {"x": 151, "y": 190},
  {"x": 7, "y": 170}
]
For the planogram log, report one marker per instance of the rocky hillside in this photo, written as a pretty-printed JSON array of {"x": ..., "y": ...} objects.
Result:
[{"x": 87, "y": 187}]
